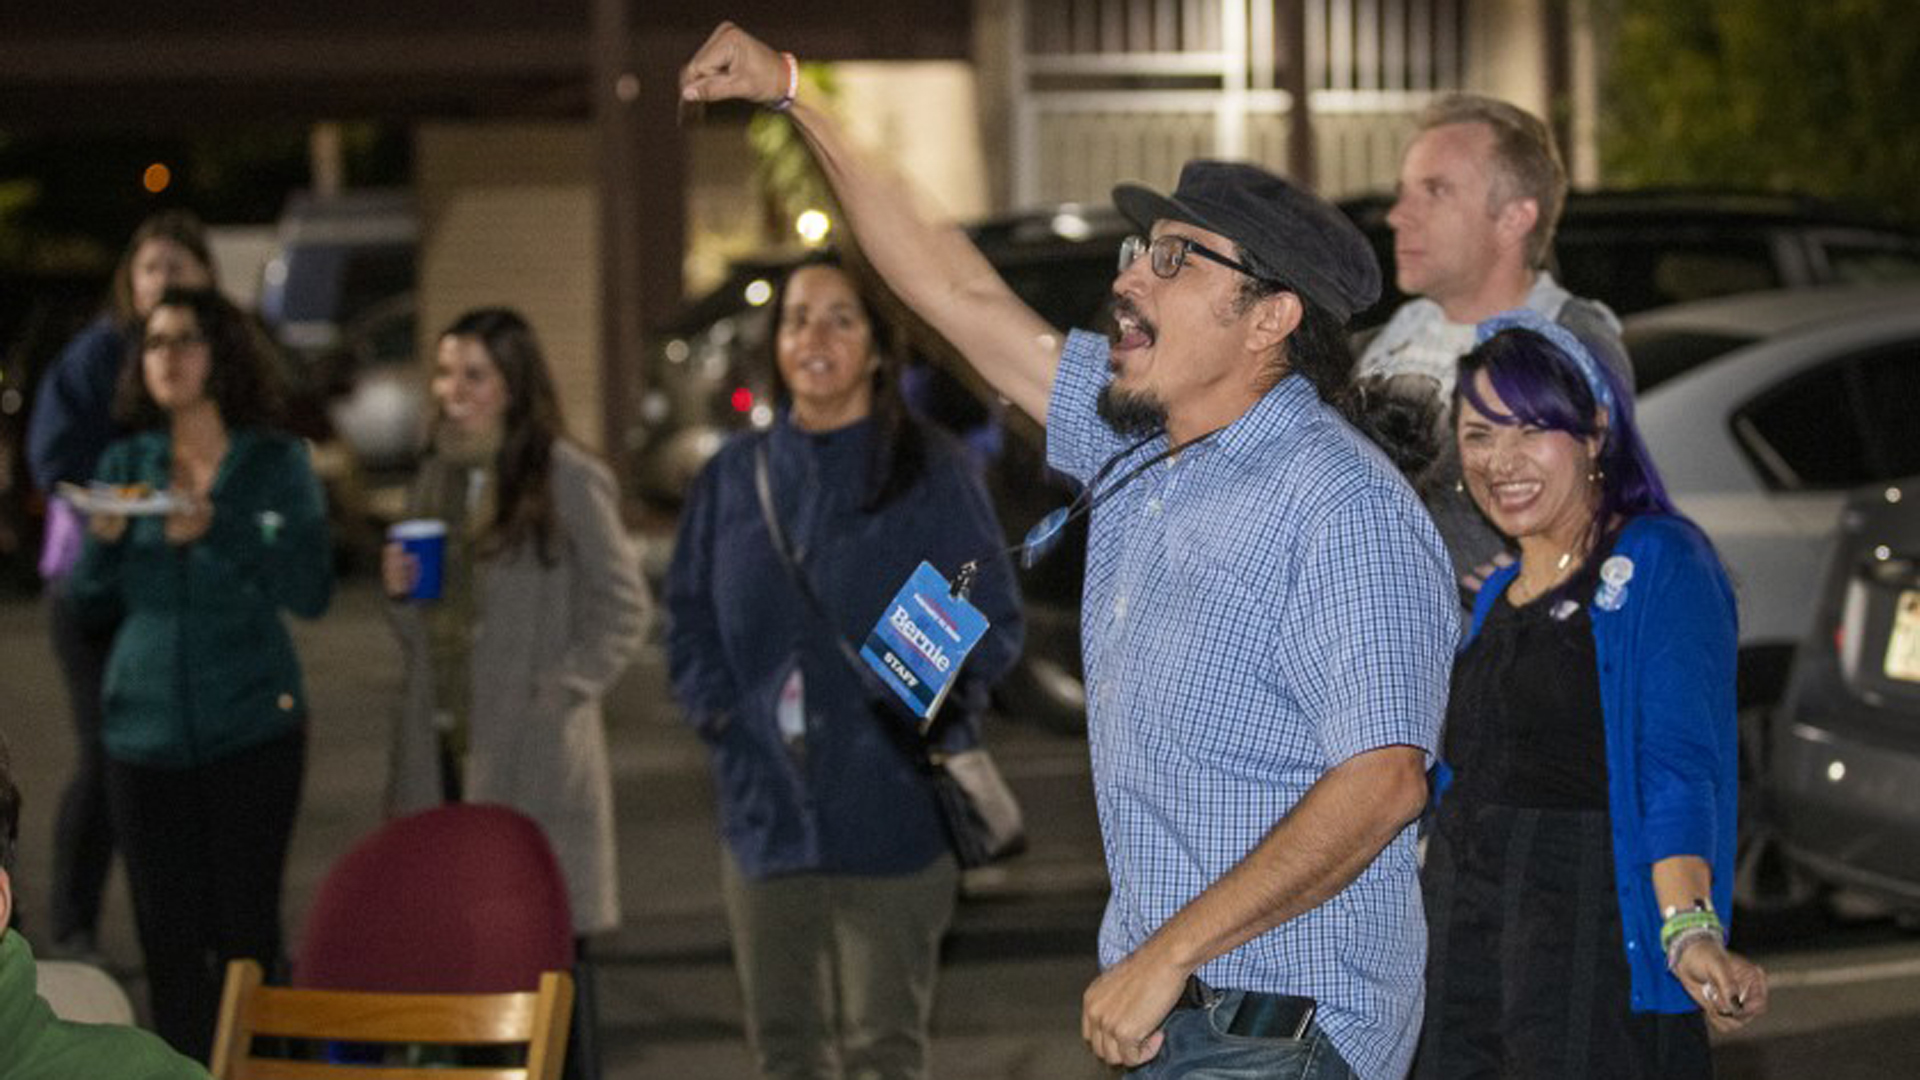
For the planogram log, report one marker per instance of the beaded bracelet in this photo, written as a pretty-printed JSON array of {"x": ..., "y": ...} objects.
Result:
[
  {"x": 1681, "y": 922},
  {"x": 1685, "y": 926},
  {"x": 1684, "y": 939},
  {"x": 793, "y": 84}
]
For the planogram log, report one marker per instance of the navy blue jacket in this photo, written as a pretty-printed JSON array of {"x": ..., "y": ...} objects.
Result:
[
  {"x": 72, "y": 420},
  {"x": 852, "y": 800}
]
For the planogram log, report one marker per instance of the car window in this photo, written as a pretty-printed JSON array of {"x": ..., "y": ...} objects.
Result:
[
  {"x": 1846, "y": 423},
  {"x": 1659, "y": 355},
  {"x": 1868, "y": 264},
  {"x": 1636, "y": 273},
  {"x": 1889, "y": 391}
]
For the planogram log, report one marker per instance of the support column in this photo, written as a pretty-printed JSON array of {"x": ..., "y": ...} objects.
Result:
[
  {"x": 617, "y": 100},
  {"x": 1302, "y": 162}
]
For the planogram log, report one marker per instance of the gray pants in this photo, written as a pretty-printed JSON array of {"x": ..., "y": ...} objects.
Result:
[{"x": 837, "y": 970}]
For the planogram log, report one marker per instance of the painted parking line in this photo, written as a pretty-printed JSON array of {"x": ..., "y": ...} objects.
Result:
[{"x": 1845, "y": 976}]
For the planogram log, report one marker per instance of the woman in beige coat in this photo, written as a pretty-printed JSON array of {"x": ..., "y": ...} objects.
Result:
[{"x": 541, "y": 607}]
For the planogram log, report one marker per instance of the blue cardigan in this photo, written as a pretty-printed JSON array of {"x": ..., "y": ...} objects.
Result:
[{"x": 1667, "y": 652}]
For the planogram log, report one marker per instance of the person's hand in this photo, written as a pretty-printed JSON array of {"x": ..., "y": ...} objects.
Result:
[
  {"x": 1730, "y": 989},
  {"x": 1121, "y": 1012},
  {"x": 107, "y": 528},
  {"x": 1477, "y": 577},
  {"x": 399, "y": 571},
  {"x": 190, "y": 522},
  {"x": 733, "y": 64}
]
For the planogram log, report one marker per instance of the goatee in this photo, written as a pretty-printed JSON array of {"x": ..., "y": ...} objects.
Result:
[{"x": 1131, "y": 414}]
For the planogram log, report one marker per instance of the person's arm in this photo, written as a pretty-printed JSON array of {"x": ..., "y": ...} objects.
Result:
[
  {"x": 931, "y": 266},
  {"x": 1686, "y": 680},
  {"x": 72, "y": 419},
  {"x": 94, "y": 582},
  {"x": 1729, "y": 988},
  {"x": 1339, "y": 826},
  {"x": 611, "y": 601},
  {"x": 703, "y": 681}
]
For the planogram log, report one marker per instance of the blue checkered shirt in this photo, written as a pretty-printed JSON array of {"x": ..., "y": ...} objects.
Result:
[{"x": 1258, "y": 609}]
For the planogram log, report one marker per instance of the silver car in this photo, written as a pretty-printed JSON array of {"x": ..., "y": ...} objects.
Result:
[{"x": 1763, "y": 411}]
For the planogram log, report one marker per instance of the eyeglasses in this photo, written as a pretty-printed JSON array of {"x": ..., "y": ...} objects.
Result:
[
  {"x": 189, "y": 339},
  {"x": 1168, "y": 253}
]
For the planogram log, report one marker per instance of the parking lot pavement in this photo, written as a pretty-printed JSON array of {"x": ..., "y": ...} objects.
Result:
[{"x": 1020, "y": 955}]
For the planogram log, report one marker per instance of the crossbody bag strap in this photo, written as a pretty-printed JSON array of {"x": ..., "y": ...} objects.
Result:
[
  {"x": 783, "y": 547},
  {"x": 763, "y": 487}
]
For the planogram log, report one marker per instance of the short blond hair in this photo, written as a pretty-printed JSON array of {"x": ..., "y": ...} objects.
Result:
[{"x": 1525, "y": 154}]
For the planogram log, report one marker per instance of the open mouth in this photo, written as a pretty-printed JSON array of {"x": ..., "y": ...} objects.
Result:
[
  {"x": 1130, "y": 329},
  {"x": 1514, "y": 495}
]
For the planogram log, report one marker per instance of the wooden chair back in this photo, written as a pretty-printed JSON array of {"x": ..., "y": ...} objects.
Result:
[{"x": 249, "y": 1008}]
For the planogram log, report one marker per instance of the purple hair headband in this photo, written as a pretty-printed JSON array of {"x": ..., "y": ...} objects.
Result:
[{"x": 1561, "y": 339}]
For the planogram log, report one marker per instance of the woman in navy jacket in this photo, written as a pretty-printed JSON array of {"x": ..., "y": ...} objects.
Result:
[
  {"x": 1584, "y": 845},
  {"x": 840, "y": 882}
]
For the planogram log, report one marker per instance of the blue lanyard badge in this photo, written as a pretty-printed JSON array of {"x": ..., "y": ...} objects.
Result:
[{"x": 917, "y": 647}]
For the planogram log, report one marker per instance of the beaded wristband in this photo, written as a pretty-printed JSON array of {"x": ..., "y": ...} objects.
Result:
[
  {"x": 1684, "y": 921},
  {"x": 1685, "y": 938},
  {"x": 793, "y": 84}
]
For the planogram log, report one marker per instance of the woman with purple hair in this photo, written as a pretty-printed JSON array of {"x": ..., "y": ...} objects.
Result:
[{"x": 1584, "y": 845}]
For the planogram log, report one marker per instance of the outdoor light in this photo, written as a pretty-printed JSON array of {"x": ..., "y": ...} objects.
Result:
[
  {"x": 759, "y": 291},
  {"x": 1893, "y": 494},
  {"x": 1070, "y": 224},
  {"x": 156, "y": 178},
  {"x": 742, "y": 399},
  {"x": 1837, "y": 771},
  {"x": 813, "y": 226}
]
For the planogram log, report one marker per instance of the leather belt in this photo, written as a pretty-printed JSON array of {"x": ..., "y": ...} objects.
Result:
[{"x": 1280, "y": 1016}]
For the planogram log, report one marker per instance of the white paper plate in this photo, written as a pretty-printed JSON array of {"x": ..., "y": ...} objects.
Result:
[{"x": 104, "y": 499}]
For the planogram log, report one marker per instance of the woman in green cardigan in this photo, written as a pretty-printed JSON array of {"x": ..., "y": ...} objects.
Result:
[{"x": 224, "y": 526}]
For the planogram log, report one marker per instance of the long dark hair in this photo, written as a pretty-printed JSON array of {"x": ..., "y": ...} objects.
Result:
[
  {"x": 1544, "y": 388},
  {"x": 899, "y": 447},
  {"x": 242, "y": 380},
  {"x": 179, "y": 226},
  {"x": 523, "y": 467}
]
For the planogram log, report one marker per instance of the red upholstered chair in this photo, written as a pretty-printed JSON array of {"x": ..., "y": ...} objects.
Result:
[{"x": 462, "y": 898}]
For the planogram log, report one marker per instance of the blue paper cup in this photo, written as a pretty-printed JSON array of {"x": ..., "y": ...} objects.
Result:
[{"x": 426, "y": 540}]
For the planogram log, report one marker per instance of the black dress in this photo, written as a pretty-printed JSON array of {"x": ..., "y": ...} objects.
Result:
[{"x": 1526, "y": 969}]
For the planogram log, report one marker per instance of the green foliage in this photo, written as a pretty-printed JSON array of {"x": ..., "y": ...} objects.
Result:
[
  {"x": 1806, "y": 95},
  {"x": 785, "y": 172}
]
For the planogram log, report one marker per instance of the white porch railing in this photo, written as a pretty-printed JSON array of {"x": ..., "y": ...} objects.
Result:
[{"x": 1110, "y": 90}]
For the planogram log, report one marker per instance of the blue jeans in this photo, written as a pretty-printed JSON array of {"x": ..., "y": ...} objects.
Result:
[{"x": 1197, "y": 1047}]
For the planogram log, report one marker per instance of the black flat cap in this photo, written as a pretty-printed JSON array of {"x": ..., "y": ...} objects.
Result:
[{"x": 1291, "y": 233}]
